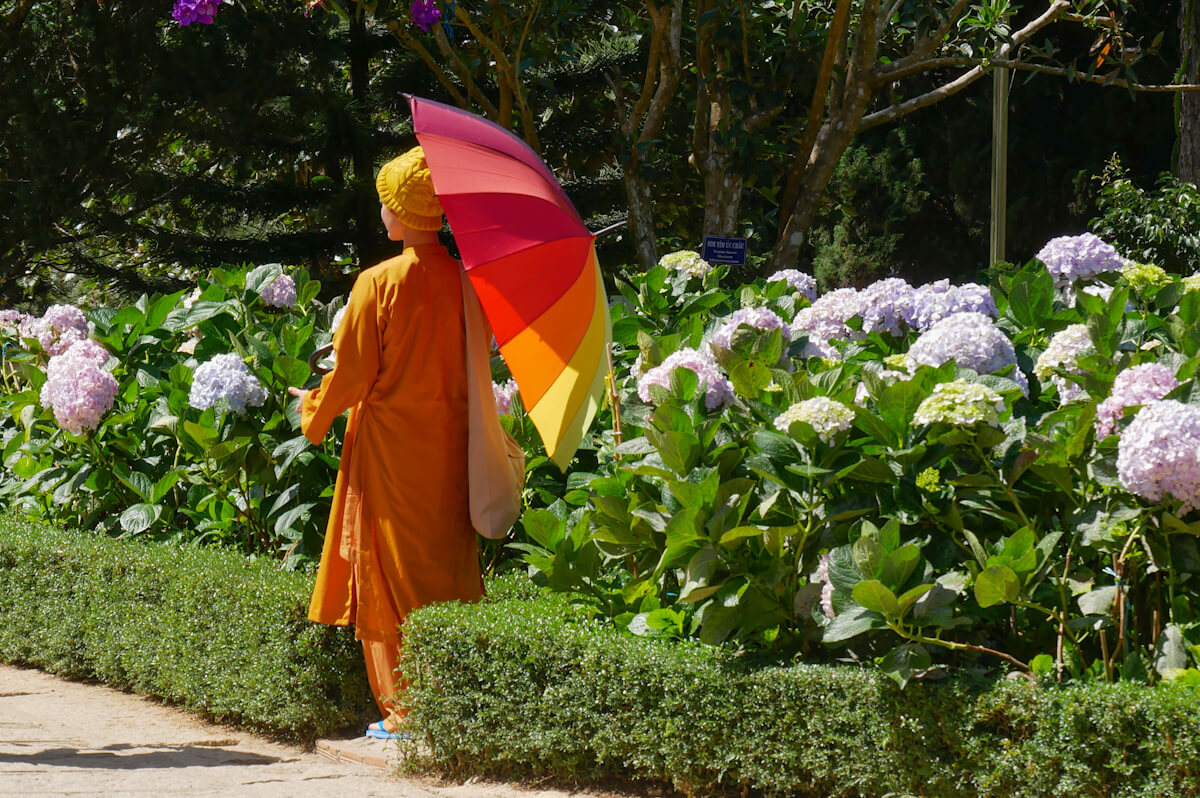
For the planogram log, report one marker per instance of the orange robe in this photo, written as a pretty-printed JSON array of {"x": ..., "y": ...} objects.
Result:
[{"x": 399, "y": 533}]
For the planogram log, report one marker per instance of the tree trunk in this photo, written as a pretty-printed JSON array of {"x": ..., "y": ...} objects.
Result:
[
  {"x": 641, "y": 218},
  {"x": 1187, "y": 165},
  {"x": 722, "y": 194},
  {"x": 833, "y": 139}
]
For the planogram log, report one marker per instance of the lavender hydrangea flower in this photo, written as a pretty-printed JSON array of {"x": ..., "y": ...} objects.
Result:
[
  {"x": 886, "y": 305},
  {"x": 718, "y": 390},
  {"x": 58, "y": 328},
  {"x": 1135, "y": 386},
  {"x": 757, "y": 318},
  {"x": 802, "y": 283},
  {"x": 77, "y": 389},
  {"x": 504, "y": 396},
  {"x": 972, "y": 341},
  {"x": 935, "y": 301},
  {"x": 281, "y": 293},
  {"x": 11, "y": 321},
  {"x": 1159, "y": 453},
  {"x": 226, "y": 377},
  {"x": 960, "y": 404},
  {"x": 826, "y": 416},
  {"x": 825, "y": 321},
  {"x": 686, "y": 262},
  {"x": 1071, "y": 258},
  {"x": 186, "y": 12},
  {"x": 1062, "y": 355},
  {"x": 425, "y": 14}
]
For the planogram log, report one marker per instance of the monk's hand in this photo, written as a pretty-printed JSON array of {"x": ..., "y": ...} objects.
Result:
[{"x": 297, "y": 392}]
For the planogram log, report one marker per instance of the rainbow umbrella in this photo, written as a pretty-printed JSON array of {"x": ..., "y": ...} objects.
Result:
[{"x": 532, "y": 262}]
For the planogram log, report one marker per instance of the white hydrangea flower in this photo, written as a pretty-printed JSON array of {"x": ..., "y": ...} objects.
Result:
[
  {"x": 826, "y": 416},
  {"x": 960, "y": 404},
  {"x": 1062, "y": 355},
  {"x": 686, "y": 262},
  {"x": 1191, "y": 283},
  {"x": 226, "y": 377},
  {"x": 972, "y": 341}
]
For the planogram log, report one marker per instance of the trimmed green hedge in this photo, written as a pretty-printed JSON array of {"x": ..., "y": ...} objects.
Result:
[
  {"x": 519, "y": 686},
  {"x": 201, "y": 627}
]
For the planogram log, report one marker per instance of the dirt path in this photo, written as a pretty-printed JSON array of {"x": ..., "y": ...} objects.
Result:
[{"x": 59, "y": 737}]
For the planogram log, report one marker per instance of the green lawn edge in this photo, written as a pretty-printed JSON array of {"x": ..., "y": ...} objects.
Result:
[{"x": 201, "y": 627}]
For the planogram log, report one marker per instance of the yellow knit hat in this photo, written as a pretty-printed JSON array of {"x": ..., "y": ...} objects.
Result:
[{"x": 406, "y": 188}]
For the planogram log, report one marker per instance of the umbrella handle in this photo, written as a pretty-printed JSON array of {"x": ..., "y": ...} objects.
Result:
[{"x": 321, "y": 352}]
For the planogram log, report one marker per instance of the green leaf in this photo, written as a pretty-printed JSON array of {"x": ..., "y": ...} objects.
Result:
[
  {"x": 164, "y": 485},
  {"x": 140, "y": 517},
  {"x": 1099, "y": 601},
  {"x": 910, "y": 598},
  {"x": 285, "y": 523},
  {"x": 1042, "y": 665},
  {"x": 698, "y": 575},
  {"x": 905, "y": 661},
  {"x": 996, "y": 585},
  {"x": 736, "y": 535},
  {"x": 544, "y": 527},
  {"x": 851, "y": 623},
  {"x": 898, "y": 403},
  {"x": 875, "y": 596},
  {"x": 869, "y": 556},
  {"x": 899, "y": 565},
  {"x": 1031, "y": 296}
]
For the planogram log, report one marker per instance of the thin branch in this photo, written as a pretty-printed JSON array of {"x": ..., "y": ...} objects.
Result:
[
  {"x": 925, "y": 48},
  {"x": 1044, "y": 69},
  {"x": 413, "y": 44},
  {"x": 882, "y": 23},
  {"x": 668, "y": 82},
  {"x": 967, "y": 78}
]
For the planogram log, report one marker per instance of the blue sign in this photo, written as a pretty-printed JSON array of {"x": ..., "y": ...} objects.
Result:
[{"x": 719, "y": 249}]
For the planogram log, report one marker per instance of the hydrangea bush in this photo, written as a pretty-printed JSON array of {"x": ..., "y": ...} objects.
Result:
[{"x": 922, "y": 477}]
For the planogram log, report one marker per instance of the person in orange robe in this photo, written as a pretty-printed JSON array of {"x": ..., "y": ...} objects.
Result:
[{"x": 399, "y": 533}]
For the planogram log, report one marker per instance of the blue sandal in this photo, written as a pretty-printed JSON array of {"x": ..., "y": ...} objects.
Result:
[{"x": 376, "y": 731}]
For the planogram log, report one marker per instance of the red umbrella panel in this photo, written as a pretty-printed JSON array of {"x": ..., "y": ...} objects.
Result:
[{"x": 532, "y": 262}]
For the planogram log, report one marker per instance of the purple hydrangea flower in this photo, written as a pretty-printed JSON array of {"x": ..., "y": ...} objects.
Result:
[
  {"x": 825, "y": 321},
  {"x": 279, "y": 294},
  {"x": 1159, "y": 453},
  {"x": 425, "y": 14},
  {"x": 935, "y": 301},
  {"x": 886, "y": 305},
  {"x": 77, "y": 389},
  {"x": 186, "y": 12},
  {"x": 58, "y": 328},
  {"x": 757, "y": 318},
  {"x": 504, "y": 395},
  {"x": 1071, "y": 258},
  {"x": 1135, "y": 386},
  {"x": 1062, "y": 355},
  {"x": 802, "y": 283},
  {"x": 972, "y": 341},
  {"x": 226, "y": 377},
  {"x": 718, "y": 391}
]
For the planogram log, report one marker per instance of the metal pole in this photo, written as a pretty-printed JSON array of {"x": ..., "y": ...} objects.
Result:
[{"x": 999, "y": 164}]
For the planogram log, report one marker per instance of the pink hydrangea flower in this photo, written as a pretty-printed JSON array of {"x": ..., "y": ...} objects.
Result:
[
  {"x": 504, "y": 395},
  {"x": 1159, "y": 454},
  {"x": 825, "y": 321},
  {"x": 77, "y": 389},
  {"x": 58, "y": 328},
  {"x": 1135, "y": 386},
  {"x": 756, "y": 318}
]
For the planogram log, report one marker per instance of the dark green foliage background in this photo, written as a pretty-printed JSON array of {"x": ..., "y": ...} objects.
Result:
[
  {"x": 204, "y": 628},
  {"x": 518, "y": 685}
]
